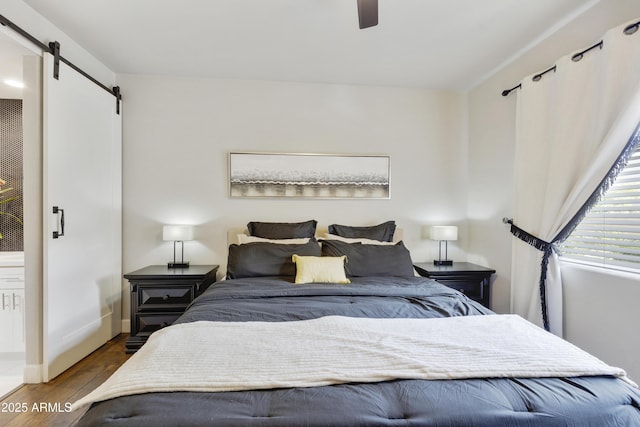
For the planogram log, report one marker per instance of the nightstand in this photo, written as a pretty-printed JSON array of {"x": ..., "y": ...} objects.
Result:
[
  {"x": 472, "y": 280},
  {"x": 159, "y": 295}
]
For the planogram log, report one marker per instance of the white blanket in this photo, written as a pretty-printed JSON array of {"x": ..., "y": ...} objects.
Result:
[{"x": 229, "y": 356}]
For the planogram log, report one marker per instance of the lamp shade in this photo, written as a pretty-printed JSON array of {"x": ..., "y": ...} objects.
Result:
[
  {"x": 177, "y": 232},
  {"x": 443, "y": 232}
]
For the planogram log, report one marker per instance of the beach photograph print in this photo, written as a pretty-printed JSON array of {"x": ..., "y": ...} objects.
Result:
[{"x": 308, "y": 176}]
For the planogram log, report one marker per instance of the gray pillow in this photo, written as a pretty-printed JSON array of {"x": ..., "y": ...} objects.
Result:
[
  {"x": 266, "y": 259},
  {"x": 371, "y": 260},
  {"x": 283, "y": 230},
  {"x": 381, "y": 232}
]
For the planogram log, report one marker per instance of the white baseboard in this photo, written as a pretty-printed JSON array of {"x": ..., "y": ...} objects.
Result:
[{"x": 33, "y": 374}]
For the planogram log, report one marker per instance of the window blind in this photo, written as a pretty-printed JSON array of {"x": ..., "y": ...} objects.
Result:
[{"x": 610, "y": 233}]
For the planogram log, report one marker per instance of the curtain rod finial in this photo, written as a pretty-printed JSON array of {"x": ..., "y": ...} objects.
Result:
[{"x": 508, "y": 91}]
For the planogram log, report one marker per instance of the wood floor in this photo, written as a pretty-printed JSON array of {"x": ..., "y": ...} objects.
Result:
[{"x": 46, "y": 404}]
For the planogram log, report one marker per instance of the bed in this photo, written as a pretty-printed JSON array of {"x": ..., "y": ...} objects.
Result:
[{"x": 359, "y": 341}]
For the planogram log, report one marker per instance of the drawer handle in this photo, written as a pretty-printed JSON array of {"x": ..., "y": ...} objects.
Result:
[
  {"x": 165, "y": 298},
  {"x": 164, "y": 325}
]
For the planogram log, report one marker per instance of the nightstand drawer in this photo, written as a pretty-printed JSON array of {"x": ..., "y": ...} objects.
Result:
[
  {"x": 154, "y": 297},
  {"x": 472, "y": 280},
  {"x": 146, "y": 324},
  {"x": 470, "y": 289}
]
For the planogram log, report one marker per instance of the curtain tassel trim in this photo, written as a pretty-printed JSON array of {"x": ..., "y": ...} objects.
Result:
[
  {"x": 604, "y": 186},
  {"x": 547, "y": 249}
]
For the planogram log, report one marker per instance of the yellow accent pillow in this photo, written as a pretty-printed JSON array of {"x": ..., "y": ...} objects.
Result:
[{"x": 320, "y": 269}]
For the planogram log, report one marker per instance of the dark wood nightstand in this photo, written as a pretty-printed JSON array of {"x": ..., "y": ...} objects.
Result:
[
  {"x": 159, "y": 295},
  {"x": 472, "y": 280}
]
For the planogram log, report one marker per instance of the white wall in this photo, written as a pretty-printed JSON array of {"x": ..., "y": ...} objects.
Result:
[
  {"x": 606, "y": 304},
  {"x": 491, "y": 139},
  {"x": 177, "y": 134}
]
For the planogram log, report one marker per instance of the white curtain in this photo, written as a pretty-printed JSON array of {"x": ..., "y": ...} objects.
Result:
[{"x": 571, "y": 126}]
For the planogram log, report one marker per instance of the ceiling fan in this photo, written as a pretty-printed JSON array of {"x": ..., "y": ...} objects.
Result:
[{"x": 367, "y": 13}]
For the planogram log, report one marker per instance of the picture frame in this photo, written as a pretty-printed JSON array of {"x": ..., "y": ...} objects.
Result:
[{"x": 303, "y": 175}]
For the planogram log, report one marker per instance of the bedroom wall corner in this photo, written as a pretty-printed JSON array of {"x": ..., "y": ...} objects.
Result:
[{"x": 491, "y": 186}]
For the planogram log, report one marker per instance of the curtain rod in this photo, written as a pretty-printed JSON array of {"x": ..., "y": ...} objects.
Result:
[
  {"x": 54, "y": 49},
  {"x": 628, "y": 30}
]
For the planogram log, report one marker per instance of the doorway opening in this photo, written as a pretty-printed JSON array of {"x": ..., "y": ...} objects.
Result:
[{"x": 13, "y": 355}]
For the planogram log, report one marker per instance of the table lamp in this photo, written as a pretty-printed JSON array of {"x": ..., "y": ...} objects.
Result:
[
  {"x": 177, "y": 233},
  {"x": 443, "y": 233}
]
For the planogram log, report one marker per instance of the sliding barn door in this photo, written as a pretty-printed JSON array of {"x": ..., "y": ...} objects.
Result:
[{"x": 82, "y": 202}]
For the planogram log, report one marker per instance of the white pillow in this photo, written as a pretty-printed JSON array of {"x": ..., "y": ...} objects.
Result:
[
  {"x": 364, "y": 241},
  {"x": 244, "y": 238}
]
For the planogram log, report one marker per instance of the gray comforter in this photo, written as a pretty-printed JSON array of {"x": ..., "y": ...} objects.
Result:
[{"x": 586, "y": 401}]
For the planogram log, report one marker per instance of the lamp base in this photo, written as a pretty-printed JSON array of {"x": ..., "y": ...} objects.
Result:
[
  {"x": 442, "y": 262},
  {"x": 178, "y": 264}
]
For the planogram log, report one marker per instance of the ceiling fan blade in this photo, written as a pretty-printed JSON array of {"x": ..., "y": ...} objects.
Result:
[{"x": 367, "y": 13}]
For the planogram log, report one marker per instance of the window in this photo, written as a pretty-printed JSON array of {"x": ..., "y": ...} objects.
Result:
[{"x": 610, "y": 233}]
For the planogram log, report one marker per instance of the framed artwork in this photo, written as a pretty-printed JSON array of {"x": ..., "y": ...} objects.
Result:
[{"x": 330, "y": 176}]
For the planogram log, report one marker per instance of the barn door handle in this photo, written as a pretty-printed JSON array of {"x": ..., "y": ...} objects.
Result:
[{"x": 60, "y": 223}]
